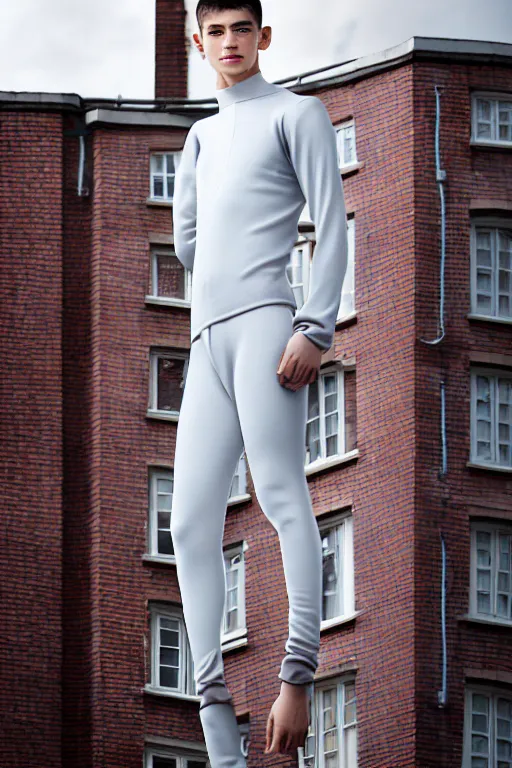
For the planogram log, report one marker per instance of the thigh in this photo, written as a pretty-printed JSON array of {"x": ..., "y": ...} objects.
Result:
[
  {"x": 272, "y": 417},
  {"x": 208, "y": 446}
]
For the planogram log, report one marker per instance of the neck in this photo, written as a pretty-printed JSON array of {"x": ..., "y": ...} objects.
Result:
[{"x": 250, "y": 88}]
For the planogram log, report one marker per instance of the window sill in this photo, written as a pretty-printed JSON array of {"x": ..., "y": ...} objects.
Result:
[
  {"x": 165, "y": 560},
  {"x": 159, "y": 203},
  {"x": 162, "y": 415},
  {"x": 234, "y": 500},
  {"x": 491, "y": 467},
  {"x": 341, "y": 322},
  {"x": 490, "y": 144},
  {"x": 167, "y": 301},
  {"x": 238, "y": 640},
  {"x": 352, "y": 168},
  {"x": 171, "y": 694},
  {"x": 481, "y": 620},
  {"x": 475, "y": 316},
  {"x": 338, "y": 620},
  {"x": 333, "y": 461}
]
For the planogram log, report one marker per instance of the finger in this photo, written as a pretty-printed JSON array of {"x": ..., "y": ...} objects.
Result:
[
  {"x": 287, "y": 372},
  {"x": 288, "y": 743},
  {"x": 280, "y": 366},
  {"x": 303, "y": 378},
  {"x": 277, "y": 736},
  {"x": 270, "y": 722},
  {"x": 298, "y": 373}
]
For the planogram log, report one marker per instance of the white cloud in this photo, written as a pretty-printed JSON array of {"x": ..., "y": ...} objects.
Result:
[{"x": 106, "y": 47}]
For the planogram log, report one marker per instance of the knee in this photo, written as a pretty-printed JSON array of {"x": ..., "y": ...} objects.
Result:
[
  {"x": 192, "y": 529},
  {"x": 182, "y": 529}
]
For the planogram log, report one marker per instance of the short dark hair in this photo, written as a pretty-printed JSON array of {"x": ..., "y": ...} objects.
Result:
[{"x": 207, "y": 6}]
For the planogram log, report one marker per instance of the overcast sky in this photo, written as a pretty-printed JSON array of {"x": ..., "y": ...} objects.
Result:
[{"x": 106, "y": 47}]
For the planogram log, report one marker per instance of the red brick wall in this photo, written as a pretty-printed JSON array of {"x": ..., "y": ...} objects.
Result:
[
  {"x": 31, "y": 358},
  {"x": 171, "y": 59},
  {"x": 443, "y": 505},
  {"x": 79, "y": 590}
]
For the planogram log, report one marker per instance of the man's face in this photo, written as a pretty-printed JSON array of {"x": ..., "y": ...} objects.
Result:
[{"x": 230, "y": 40}]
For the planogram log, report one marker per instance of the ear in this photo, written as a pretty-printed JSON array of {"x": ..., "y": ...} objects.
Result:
[
  {"x": 198, "y": 43},
  {"x": 265, "y": 37}
]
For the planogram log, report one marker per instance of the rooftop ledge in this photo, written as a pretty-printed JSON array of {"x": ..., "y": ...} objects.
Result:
[{"x": 143, "y": 112}]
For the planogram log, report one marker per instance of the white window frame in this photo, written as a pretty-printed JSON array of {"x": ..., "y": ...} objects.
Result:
[
  {"x": 495, "y": 531},
  {"x": 495, "y": 99},
  {"x": 494, "y": 224},
  {"x": 334, "y": 368},
  {"x": 347, "y": 126},
  {"x": 154, "y": 355},
  {"x": 245, "y": 738},
  {"x": 235, "y": 551},
  {"x": 315, "y": 737},
  {"x": 493, "y": 693},
  {"x": 342, "y": 524},
  {"x": 156, "y": 474},
  {"x": 177, "y": 300},
  {"x": 300, "y": 257},
  {"x": 347, "y": 303},
  {"x": 182, "y": 756},
  {"x": 495, "y": 375},
  {"x": 241, "y": 476},
  {"x": 166, "y": 173},
  {"x": 186, "y": 683}
]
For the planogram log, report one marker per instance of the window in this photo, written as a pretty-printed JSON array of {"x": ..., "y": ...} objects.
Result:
[
  {"x": 347, "y": 303},
  {"x": 163, "y": 167},
  {"x": 346, "y": 141},
  {"x": 169, "y": 278},
  {"x": 492, "y": 119},
  {"x": 160, "y": 504},
  {"x": 491, "y": 268},
  {"x": 298, "y": 269},
  {"x": 332, "y": 735},
  {"x": 239, "y": 482},
  {"x": 161, "y": 757},
  {"x": 168, "y": 372},
  {"x": 491, "y": 570},
  {"x": 491, "y": 417},
  {"x": 234, "y": 609},
  {"x": 488, "y": 727},
  {"x": 337, "y": 567},
  {"x": 171, "y": 660},
  {"x": 331, "y": 421}
]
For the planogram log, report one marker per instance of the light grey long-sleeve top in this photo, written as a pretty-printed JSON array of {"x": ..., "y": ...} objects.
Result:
[{"x": 244, "y": 177}]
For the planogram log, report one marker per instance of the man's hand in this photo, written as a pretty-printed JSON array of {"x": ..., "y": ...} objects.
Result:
[{"x": 300, "y": 362}]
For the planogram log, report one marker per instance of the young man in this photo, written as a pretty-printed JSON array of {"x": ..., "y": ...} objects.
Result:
[{"x": 242, "y": 183}]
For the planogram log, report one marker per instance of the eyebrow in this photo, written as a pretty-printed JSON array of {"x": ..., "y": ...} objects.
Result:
[{"x": 244, "y": 22}]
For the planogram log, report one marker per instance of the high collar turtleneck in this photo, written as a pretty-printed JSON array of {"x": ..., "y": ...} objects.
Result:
[{"x": 250, "y": 88}]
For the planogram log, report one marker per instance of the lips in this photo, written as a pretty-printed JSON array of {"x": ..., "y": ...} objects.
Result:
[{"x": 231, "y": 58}]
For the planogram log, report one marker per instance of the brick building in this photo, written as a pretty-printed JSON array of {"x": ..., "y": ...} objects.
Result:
[{"x": 409, "y": 455}]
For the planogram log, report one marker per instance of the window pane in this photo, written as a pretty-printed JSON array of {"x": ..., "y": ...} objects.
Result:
[
  {"x": 158, "y": 186},
  {"x": 168, "y": 677},
  {"x": 170, "y": 276},
  {"x": 313, "y": 404},
  {"x": 170, "y": 383},
  {"x": 157, "y": 163},
  {"x": 164, "y": 762},
  {"x": 170, "y": 186}
]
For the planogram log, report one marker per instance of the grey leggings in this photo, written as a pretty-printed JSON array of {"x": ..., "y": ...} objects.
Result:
[{"x": 233, "y": 400}]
